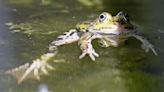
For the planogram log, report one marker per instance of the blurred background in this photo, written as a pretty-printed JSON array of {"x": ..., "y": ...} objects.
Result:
[{"x": 35, "y": 23}]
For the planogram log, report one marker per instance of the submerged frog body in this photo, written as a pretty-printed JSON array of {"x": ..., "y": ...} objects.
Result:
[{"x": 110, "y": 30}]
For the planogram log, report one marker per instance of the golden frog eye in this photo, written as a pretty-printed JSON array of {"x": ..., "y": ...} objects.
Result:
[{"x": 105, "y": 17}]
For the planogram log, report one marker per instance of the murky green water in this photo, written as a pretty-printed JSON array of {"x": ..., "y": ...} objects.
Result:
[{"x": 124, "y": 69}]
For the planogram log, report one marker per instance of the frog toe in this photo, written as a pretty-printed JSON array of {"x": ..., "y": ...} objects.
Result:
[{"x": 92, "y": 57}]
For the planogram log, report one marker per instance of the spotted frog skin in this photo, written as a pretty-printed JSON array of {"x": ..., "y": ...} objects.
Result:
[{"x": 109, "y": 30}]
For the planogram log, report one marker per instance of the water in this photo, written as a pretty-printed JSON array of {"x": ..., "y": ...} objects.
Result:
[{"x": 123, "y": 69}]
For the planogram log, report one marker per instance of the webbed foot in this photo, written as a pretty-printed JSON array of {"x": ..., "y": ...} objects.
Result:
[
  {"x": 146, "y": 45},
  {"x": 35, "y": 70},
  {"x": 88, "y": 49},
  {"x": 38, "y": 67}
]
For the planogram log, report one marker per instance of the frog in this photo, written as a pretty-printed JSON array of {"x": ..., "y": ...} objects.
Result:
[{"x": 111, "y": 31}]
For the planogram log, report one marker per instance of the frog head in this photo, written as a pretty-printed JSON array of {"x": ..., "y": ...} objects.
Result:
[
  {"x": 106, "y": 23},
  {"x": 104, "y": 20}
]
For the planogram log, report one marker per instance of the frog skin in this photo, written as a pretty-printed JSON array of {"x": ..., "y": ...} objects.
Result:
[
  {"x": 85, "y": 32},
  {"x": 114, "y": 31},
  {"x": 109, "y": 30}
]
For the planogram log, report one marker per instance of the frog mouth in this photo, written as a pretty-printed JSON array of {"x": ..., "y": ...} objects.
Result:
[{"x": 105, "y": 31}]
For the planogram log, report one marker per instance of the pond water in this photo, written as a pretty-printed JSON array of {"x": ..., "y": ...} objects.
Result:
[{"x": 124, "y": 69}]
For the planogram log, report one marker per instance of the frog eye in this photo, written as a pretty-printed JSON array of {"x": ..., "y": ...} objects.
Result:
[
  {"x": 105, "y": 17},
  {"x": 102, "y": 17}
]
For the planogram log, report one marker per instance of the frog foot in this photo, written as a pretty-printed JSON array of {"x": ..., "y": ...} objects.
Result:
[
  {"x": 148, "y": 46},
  {"x": 88, "y": 49},
  {"x": 38, "y": 67}
]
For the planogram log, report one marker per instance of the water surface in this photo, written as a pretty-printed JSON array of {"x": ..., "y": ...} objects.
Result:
[{"x": 124, "y": 69}]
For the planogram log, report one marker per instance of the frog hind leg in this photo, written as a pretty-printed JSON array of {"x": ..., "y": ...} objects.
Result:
[
  {"x": 103, "y": 43},
  {"x": 146, "y": 45},
  {"x": 66, "y": 38},
  {"x": 112, "y": 40},
  {"x": 40, "y": 65}
]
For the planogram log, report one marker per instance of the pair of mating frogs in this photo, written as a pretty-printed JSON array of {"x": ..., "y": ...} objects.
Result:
[{"x": 109, "y": 30}]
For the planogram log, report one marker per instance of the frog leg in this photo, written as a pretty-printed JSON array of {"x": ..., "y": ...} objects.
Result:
[
  {"x": 112, "y": 40},
  {"x": 146, "y": 45},
  {"x": 86, "y": 39},
  {"x": 40, "y": 65},
  {"x": 86, "y": 45},
  {"x": 68, "y": 37},
  {"x": 87, "y": 48},
  {"x": 104, "y": 43},
  {"x": 35, "y": 69}
]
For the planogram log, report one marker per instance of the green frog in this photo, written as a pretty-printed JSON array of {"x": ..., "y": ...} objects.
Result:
[
  {"x": 109, "y": 30},
  {"x": 112, "y": 31}
]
